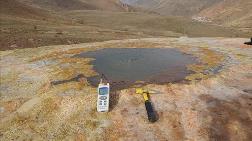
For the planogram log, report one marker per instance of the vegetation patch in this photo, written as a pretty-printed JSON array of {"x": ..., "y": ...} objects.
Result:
[{"x": 209, "y": 59}]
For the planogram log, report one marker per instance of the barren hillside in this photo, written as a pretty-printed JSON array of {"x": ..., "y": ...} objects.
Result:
[
  {"x": 34, "y": 23},
  {"x": 16, "y": 8},
  {"x": 226, "y": 12},
  {"x": 28, "y": 24},
  {"x": 173, "y": 7},
  {"x": 230, "y": 12},
  {"x": 110, "y": 5}
]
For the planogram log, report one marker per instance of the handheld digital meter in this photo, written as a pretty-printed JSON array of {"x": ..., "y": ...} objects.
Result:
[{"x": 103, "y": 97}]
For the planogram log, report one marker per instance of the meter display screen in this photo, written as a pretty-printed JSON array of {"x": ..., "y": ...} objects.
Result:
[{"x": 103, "y": 91}]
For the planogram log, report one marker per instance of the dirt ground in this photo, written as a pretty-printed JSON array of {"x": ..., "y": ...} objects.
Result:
[{"x": 215, "y": 105}]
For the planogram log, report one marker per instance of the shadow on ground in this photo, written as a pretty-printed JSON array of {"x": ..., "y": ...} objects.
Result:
[
  {"x": 78, "y": 78},
  {"x": 230, "y": 119},
  {"x": 113, "y": 99}
]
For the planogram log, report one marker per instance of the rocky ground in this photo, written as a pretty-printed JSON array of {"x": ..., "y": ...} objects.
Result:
[{"x": 216, "y": 103}]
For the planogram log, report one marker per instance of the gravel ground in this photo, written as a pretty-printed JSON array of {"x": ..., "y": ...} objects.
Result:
[{"x": 216, "y": 103}]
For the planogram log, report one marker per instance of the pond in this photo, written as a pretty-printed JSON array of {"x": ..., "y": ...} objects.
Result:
[{"x": 123, "y": 67}]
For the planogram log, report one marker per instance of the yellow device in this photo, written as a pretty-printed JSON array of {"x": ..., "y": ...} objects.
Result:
[{"x": 149, "y": 108}]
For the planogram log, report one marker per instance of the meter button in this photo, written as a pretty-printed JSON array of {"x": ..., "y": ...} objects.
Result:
[{"x": 103, "y": 97}]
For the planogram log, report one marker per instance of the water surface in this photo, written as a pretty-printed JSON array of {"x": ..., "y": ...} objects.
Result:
[{"x": 125, "y": 66}]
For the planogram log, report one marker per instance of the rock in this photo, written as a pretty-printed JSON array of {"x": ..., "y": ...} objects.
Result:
[
  {"x": 14, "y": 46},
  {"x": 31, "y": 40},
  {"x": 27, "y": 106},
  {"x": 2, "y": 109}
]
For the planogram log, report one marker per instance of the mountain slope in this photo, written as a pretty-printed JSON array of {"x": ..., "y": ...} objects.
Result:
[
  {"x": 173, "y": 7},
  {"x": 19, "y": 9},
  {"x": 230, "y": 12},
  {"x": 108, "y": 5},
  {"x": 236, "y": 13},
  {"x": 28, "y": 24}
]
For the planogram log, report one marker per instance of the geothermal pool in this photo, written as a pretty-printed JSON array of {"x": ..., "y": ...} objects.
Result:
[{"x": 124, "y": 67}]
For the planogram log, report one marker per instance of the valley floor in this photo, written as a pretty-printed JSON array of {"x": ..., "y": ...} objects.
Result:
[{"x": 216, "y": 104}]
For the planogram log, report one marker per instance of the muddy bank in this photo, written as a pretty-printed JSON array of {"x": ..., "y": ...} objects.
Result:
[{"x": 43, "y": 96}]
